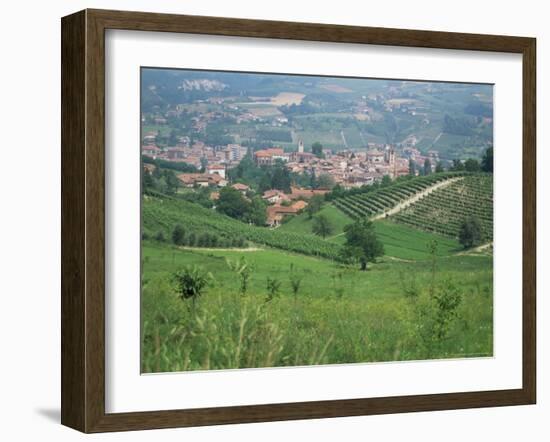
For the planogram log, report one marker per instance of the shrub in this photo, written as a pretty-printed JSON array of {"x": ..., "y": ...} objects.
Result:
[
  {"x": 178, "y": 235},
  {"x": 273, "y": 287},
  {"x": 191, "y": 282},
  {"x": 470, "y": 232}
]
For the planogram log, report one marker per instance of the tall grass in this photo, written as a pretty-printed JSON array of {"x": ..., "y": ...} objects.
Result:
[{"x": 226, "y": 330}]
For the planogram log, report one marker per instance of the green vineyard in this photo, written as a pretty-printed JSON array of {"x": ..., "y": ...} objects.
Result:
[
  {"x": 378, "y": 201},
  {"x": 162, "y": 214},
  {"x": 443, "y": 210}
]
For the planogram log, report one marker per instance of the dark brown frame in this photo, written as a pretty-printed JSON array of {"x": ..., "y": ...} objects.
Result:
[{"x": 83, "y": 217}]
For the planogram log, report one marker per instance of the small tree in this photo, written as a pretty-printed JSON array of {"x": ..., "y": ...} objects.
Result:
[
  {"x": 191, "y": 282},
  {"x": 321, "y": 226},
  {"x": 362, "y": 244},
  {"x": 338, "y": 284},
  {"x": 295, "y": 281},
  {"x": 314, "y": 205},
  {"x": 427, "y": 167},
  {"x": 325, "y": 181},
  {"x": 273, "y": 286},
  {"x": 243, "y": 271},
  {"x": 470, "y": 232},
  {"x": 439, "y": 167},
  {"x": 458, "y": 166},
  {"x": 178, "y": 235},
  {"x": 232, "y": 203},
  {"x": 160, "y": 236},
  {"x": 317, "y": 149},
  {"x": 412, "y": 167},
  {"x": 487, "y": 161},
  {"x": 191, "y": 240},
  {"x": 447, "y": 301},
  {"x": 472, "y": 165},
  {"x": 432, "y": 249}
]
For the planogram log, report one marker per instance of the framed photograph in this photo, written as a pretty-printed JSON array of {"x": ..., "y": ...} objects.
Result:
[{"x": 267, "y": 221}]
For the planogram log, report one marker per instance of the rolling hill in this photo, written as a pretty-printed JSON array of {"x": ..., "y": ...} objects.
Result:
[
  {"x": 437, "y": 203},
  {"x": 162, "y": 214},
  {"x": 443, "y": 210},
  {"x": 375, "y": 202}
]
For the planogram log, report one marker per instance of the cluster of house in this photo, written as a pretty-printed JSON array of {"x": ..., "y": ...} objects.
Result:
[
  {"x": 195, "y": 154},
  {"x": 349, "y": 168},
  {"x": 283, "y": 205},
  {"x": 280, "y": 204},
  {"x": 211, "y": 178}
]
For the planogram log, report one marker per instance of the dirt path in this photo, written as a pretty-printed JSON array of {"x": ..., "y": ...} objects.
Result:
[
  {"x": 477, "y": 251},
  {"x": 218, "y": 249},
  {"x": 413, "y": 199},
  {"x": 436, "y": 139},
  {"x": 344, "y": 138}
]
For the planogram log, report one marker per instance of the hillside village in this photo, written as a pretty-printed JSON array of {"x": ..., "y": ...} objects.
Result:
[
  {"x": 348, "y": 168},
  {"x": 354, "y": 136}
]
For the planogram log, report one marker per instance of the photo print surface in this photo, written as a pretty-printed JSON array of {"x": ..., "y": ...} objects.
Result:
[{"x": 292, "y": 220}]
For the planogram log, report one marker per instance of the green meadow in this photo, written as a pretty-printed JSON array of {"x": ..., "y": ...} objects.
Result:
[
  {"x": 400, "y": 241},
  {"x": 339, "y": 315}
]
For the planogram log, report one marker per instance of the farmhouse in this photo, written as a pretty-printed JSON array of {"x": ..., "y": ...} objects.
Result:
[
  {"x": 243, "y": 188},
  {"x": 276, "y": 213},
  {"x": 216, "y": 169},
  {"x": 274, "y": 196},
  {"x": 201, "y": 180},
  {"x": 299, "y": 205}
]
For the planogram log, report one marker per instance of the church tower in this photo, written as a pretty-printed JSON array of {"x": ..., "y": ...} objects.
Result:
[
  {"x": 300, "y": 146},
  {"x": 391, "y": 156}
]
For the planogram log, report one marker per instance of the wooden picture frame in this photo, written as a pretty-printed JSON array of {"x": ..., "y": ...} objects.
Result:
[{"x": 83, "y": 220}]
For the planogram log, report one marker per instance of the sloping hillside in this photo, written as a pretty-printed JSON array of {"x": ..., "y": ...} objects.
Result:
[
  {"x": 443, "y": 210},
  {"x": 375, "y": 202},
  {"x": 303, "y": 224},
  {"x": 162, "y": 214}
]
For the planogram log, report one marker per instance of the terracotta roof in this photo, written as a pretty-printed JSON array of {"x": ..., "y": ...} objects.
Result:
[
  {"x": 278, "y": 209},
  {"x": 306, "y": 193},
  {"x": 215, "y": 177},
  {"x": 240, "y": 186},
  {"x": 271, "y": 193},
  {"x": 299, "y": 205},
  {"x": 269, "y": 152},
  {"x": 190, "y": 178}
]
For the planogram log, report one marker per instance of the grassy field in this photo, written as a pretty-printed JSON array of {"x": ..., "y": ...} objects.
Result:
[
  {"x": 340, "y": 314},
  {"x": 400, "y": 241},
  {"x": 410, "y": 244},
  {"x": 302, "y": 223},
  {"x": 409, "y": 305}
]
